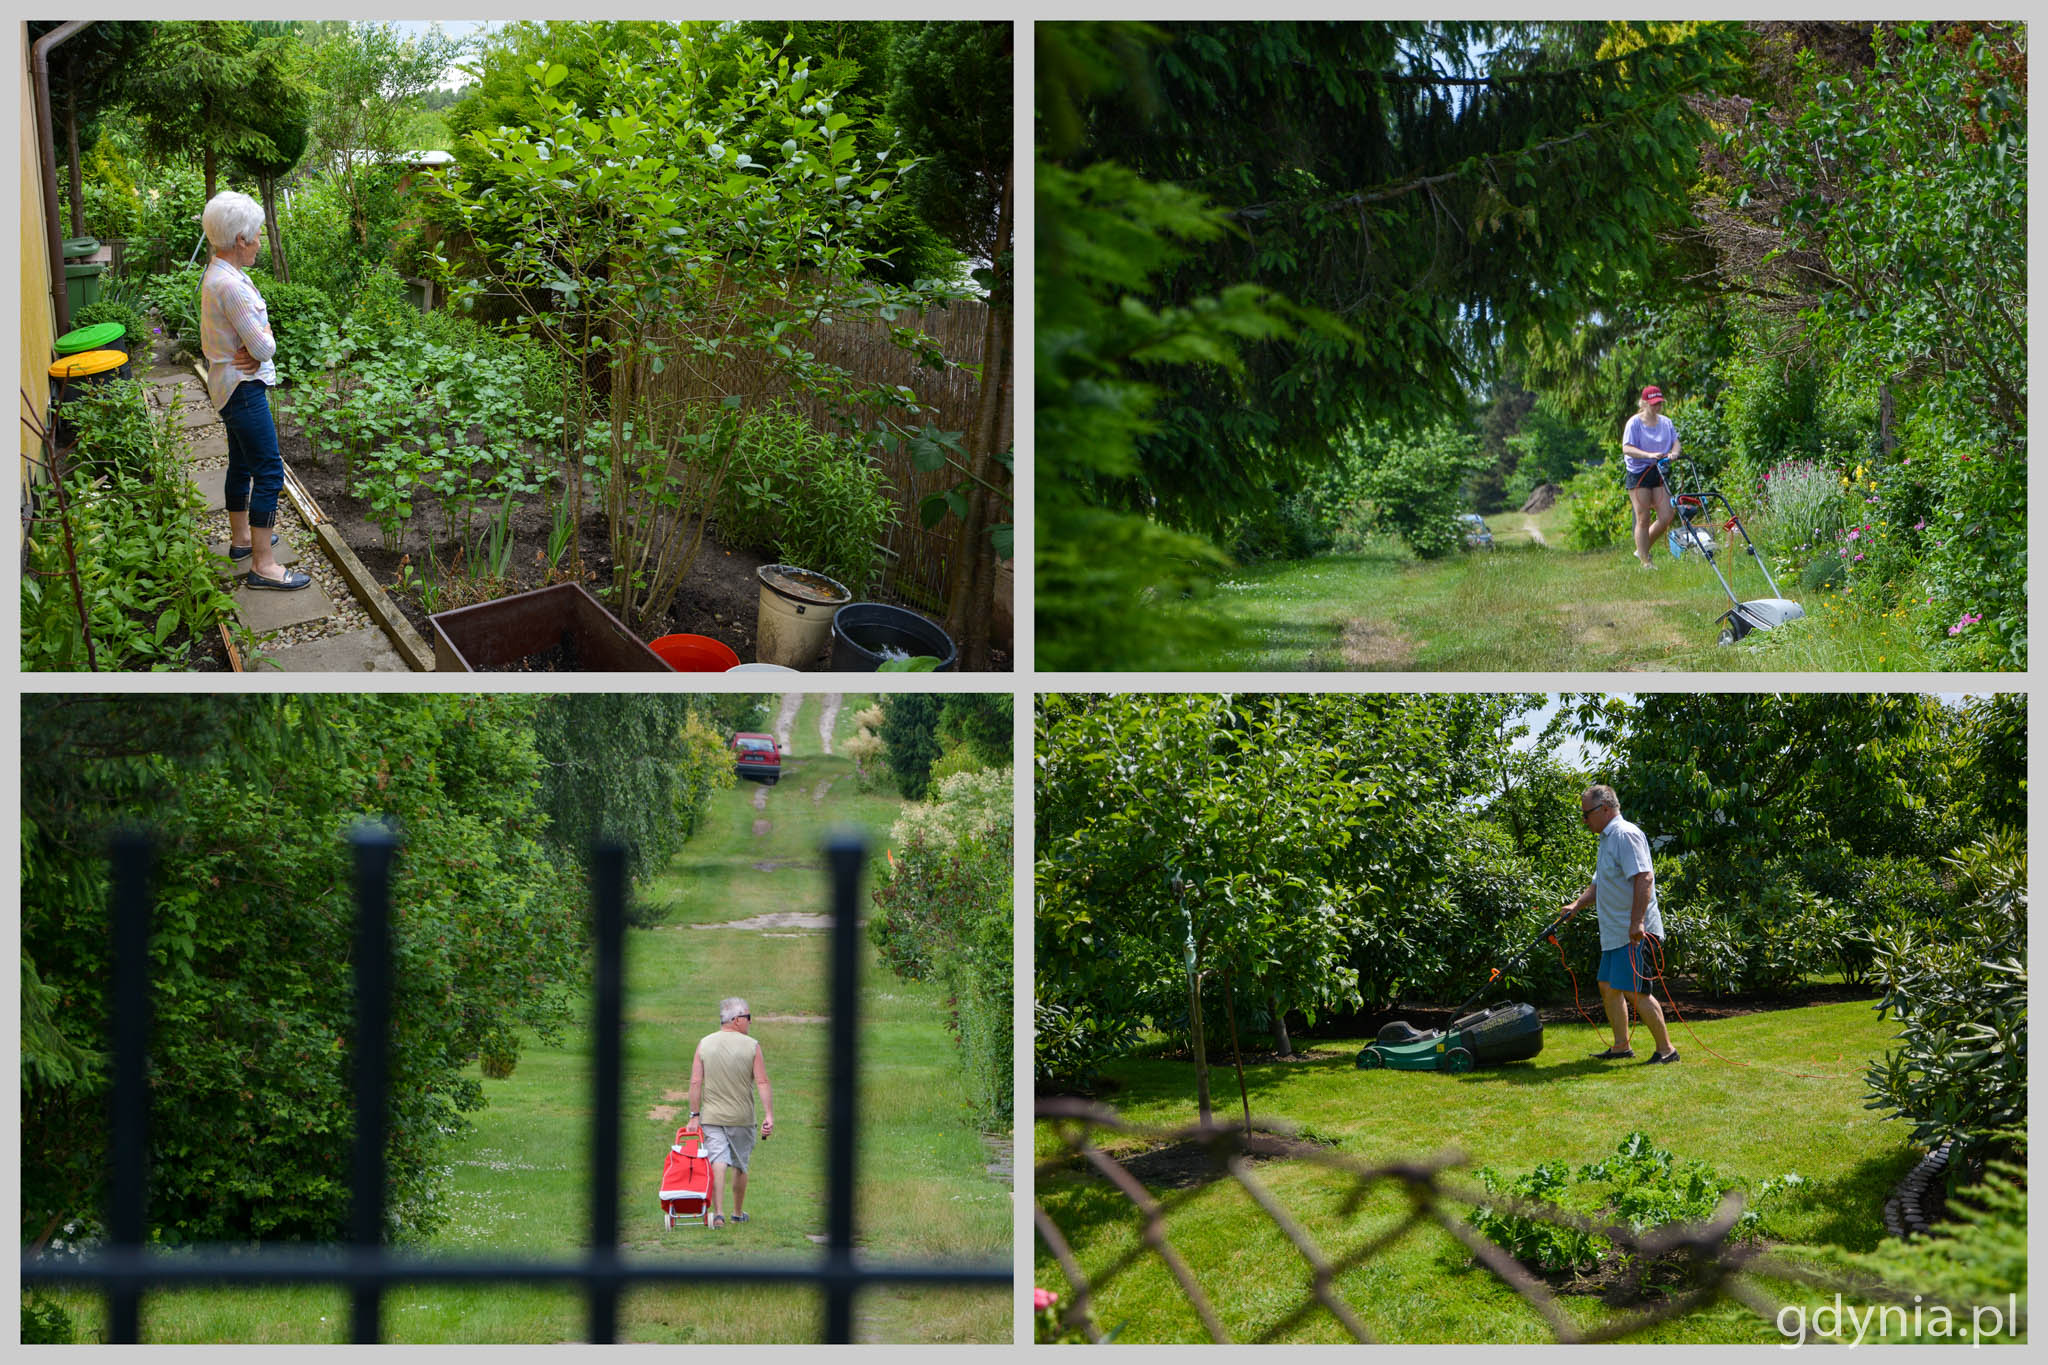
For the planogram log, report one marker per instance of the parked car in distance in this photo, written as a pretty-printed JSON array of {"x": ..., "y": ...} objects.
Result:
[
  {"x": 757, "y": 756},
  {"x": 1478, "y": 535}
]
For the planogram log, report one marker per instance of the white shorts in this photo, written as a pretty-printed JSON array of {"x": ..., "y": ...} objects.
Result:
[{"x": 730, "y": 1146}]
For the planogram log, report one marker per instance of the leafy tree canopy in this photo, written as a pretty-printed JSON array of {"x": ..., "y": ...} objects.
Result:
[{"x": 1449, "y": 187}]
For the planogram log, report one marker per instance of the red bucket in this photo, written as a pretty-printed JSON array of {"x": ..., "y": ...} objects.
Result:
[{"x": 694, "y": 653}]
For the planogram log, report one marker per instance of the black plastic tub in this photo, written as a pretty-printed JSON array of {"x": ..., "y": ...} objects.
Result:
[{"x": 865, "y": 634}]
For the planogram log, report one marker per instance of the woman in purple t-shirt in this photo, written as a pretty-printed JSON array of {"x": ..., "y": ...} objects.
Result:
[{"x": 1648, "y": 438}]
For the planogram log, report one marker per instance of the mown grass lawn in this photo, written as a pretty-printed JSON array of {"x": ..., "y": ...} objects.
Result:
[
  {"x": 519, "y": 1179},
  {"x": 1753, "y": 1117},
  {"x": 1526, "y": 606}
]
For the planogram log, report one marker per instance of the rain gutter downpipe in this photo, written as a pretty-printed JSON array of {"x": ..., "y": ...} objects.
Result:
[{"x": 46, "y": 153}]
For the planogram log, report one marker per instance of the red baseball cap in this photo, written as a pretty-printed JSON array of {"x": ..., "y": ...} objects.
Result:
[{"x": 1652, "y": 394}]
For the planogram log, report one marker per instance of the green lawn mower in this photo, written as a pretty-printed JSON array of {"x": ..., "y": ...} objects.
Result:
[{"x": 1488, "y": 1037}]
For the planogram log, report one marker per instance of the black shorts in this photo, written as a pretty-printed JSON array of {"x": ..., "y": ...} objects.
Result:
[{"x": 1648, "y": 478}]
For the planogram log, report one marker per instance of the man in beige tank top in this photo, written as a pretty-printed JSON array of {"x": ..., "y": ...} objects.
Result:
[{"x": 723, "y": 1077}]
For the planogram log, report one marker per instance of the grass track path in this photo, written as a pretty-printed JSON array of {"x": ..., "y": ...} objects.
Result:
[{"x": 518, "y": 1179}]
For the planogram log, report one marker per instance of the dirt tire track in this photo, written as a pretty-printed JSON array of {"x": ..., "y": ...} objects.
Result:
[
  {"x": 785, "y": 719},
  {"x": 828, "y": 716}
]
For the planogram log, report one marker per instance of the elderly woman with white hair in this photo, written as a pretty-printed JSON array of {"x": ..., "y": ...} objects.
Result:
[{"x": 235, "y": 338}]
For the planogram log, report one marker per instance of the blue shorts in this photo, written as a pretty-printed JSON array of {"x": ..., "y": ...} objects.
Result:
[{"x": 1629, "y": 967}]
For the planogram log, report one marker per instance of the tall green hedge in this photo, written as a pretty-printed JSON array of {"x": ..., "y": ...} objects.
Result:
[
  {"x": 247, "y": 799},
  {"x": 944, "y": 916}
]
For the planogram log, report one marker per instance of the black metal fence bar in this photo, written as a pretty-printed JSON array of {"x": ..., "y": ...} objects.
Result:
[
  {"x": 125, "y": 1268},
  {"x": 608, "y": 883},
  {"x": 129, "y": 1187},
  {"x": 843, "y": 855},
  {"x": 376, "y": 846}
]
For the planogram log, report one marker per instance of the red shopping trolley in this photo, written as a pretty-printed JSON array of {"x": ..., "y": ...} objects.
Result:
[{"x": 686, "y": 1181}]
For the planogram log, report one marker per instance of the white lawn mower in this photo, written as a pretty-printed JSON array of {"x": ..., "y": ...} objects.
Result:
[{"x": 1692, "y": 506}]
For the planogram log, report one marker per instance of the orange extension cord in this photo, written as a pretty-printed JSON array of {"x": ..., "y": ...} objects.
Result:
[{"x": 1657, "y": 974}]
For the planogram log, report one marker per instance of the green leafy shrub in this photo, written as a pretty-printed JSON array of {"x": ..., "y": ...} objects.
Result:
[
  {"x": 1289, "y": 527},
  {"x": 45, "y": 1323},
  {"x": 115, "y": 431},
  {"x": 302, "y": 320},
  {"x": 1642, "y": 1185},
  {"x": 1782, "y": 936},
  {"x": 1535, "y": 1241},
  {"x": 810, "y": 498},
  {"x": 380, "y": 310},
  {"x": 1885, "y": 894},
  {"x": 322, "y": 241},
  {"x": 1597, "y": 511},
  {"x": 943, "y": 914},
  {"x": 536, "y": 366},
  {"x": 144, "y": 569},
  {"x": 1070, "y": 1043},
  {"x": 1414, "y": 486},
  {"x": 1978, "y": 1257},
  {"x": 1957, "y": 986},
  {"x": 251, "y": 1101},
  {"x": 124, "y": 307},
  {"x": 410, "y": 416},
  {"x": 174, "y": 298}
]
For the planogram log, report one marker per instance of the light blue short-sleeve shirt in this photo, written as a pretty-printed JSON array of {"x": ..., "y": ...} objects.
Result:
[
  {"x": 1624, "y": 851},
  {"x": 1644, "y": 436}
]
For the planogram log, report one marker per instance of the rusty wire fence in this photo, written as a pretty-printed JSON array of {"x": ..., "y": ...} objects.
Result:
[{"x": 1705, "y": 1263}]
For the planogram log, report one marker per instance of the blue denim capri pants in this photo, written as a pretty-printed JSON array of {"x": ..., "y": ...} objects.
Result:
[
  {"x": 255, "y": 469},
  {"x": 1631, "y": 966}
]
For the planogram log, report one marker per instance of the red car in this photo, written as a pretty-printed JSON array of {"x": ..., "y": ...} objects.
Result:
[{"x": 757, "y": 756}]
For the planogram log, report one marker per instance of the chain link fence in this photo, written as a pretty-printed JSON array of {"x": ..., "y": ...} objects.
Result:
[{"x": 1710, "y": 1267}]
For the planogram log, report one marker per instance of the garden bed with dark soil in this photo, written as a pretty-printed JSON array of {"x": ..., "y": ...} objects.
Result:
[{"x": 720, "y": 599}]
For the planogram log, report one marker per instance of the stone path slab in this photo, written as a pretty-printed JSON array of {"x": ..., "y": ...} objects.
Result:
[
  {"x": 209, "y": 445},
  {"x": 212, "y": 484},
  {"x": 263, "y": 610},
  {"x": 367, "y": 650}
]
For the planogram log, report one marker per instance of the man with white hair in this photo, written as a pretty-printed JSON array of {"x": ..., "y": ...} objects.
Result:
[
  {"x": 724, "y": 1075},
  {"x": 235, "y": 336},
  {"x": 1624, "y": 888}
]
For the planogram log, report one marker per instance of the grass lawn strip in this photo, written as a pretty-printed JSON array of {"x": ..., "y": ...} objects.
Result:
[
  {"x": 1530, "y": 606},
  {"x": 1751, "y": 1123}
]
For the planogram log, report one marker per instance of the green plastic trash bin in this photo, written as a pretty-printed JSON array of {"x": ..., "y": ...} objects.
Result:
[
  {"x": 78, "y": 248},
  {"x": 82, "y": 285},
  {"x": 101, "y": 336}
]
